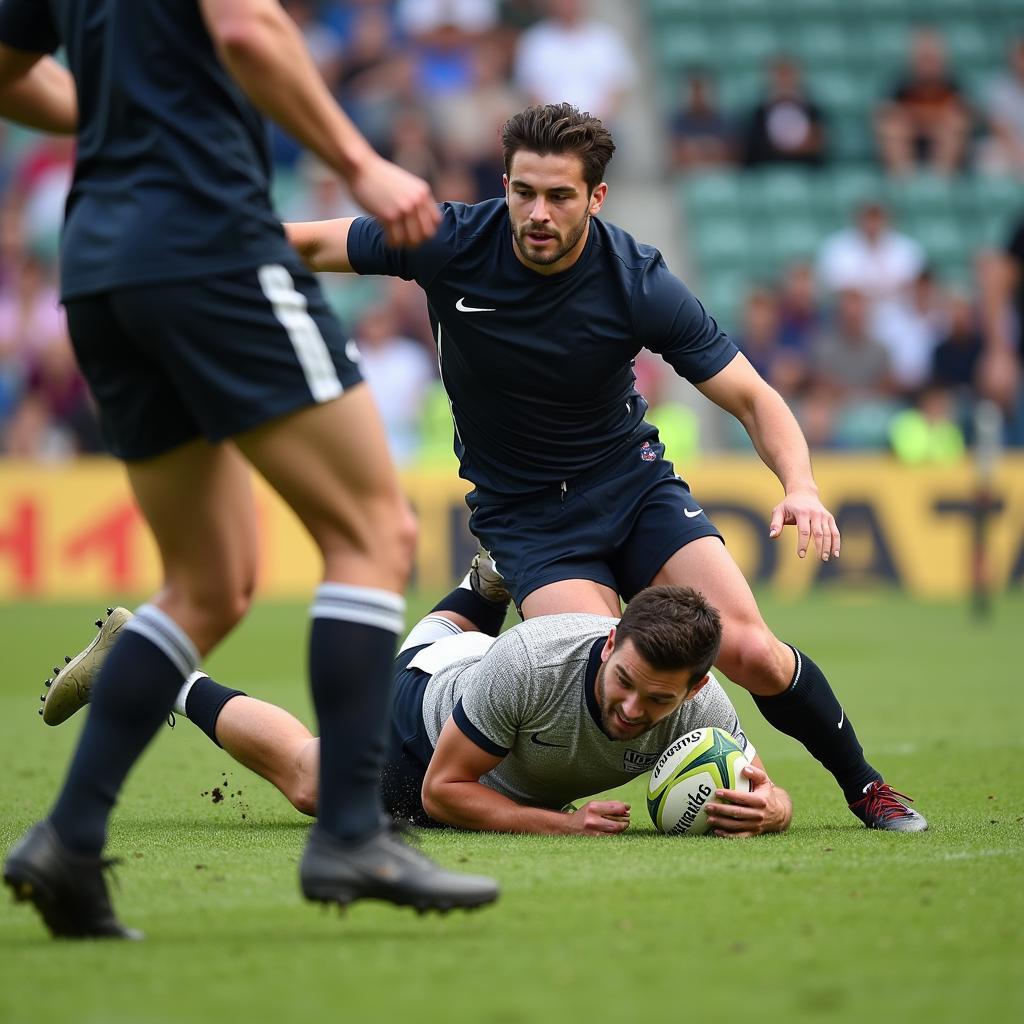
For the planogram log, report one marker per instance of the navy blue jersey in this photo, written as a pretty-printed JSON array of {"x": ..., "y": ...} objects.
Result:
[
  {"x": 538, "y": 367},
  {"x": 172, "y": 169}
]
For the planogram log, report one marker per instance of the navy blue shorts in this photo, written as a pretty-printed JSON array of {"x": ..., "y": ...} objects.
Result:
[
  {"x": 212, "y": 357},
  {"x": 617, "y": 526},
  {"x": 409, "y": 750}
]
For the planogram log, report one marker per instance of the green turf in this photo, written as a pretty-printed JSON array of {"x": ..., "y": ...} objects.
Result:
[{"x": 829, "y": 922}]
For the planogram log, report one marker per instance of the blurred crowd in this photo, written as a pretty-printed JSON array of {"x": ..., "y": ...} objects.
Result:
[
  {"x": 853, "y": 340},
  {"x": 870, "y": 346}
]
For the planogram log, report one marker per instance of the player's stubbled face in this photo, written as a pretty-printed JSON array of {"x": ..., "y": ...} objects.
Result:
[
  {"x": 632, "y": 696},
  {"x": 549, "y": 206}
]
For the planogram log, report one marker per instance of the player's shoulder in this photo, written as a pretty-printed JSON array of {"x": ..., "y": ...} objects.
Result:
[
  {"x": 470, "y": 219},
  {"x": 619, "y": 245}
]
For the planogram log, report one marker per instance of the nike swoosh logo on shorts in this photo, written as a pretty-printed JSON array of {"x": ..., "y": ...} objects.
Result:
[
  {"x": 463, "y": 308},
  {"x": 691, "y": 514},
  {"x": 541, "y": 743},
  {"x": 842, "y": 717}
]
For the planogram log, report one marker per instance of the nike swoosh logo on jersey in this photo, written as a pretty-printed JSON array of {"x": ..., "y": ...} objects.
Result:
[
  {"x": 463, "y": 308},
  {"x": 842, "y": 717},
  {"x": 691, "y": 514},
  {"x": 541, "y": 743}
]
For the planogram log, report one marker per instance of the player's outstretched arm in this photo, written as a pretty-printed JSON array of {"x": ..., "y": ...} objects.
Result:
[
  {"x": 264, "y": 52},
  {"x": 740, "y": 390},
  {"x": 322, "y": 244},
  {"x": 738, "y": 815},
  {"x": 453, "y": 794},
  {"x": 37, "y": 92}
]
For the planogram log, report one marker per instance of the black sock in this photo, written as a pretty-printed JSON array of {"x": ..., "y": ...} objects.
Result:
[
  {"x": 487, "y": 616},
  {"x": 133, "y": 694},
  {"x": 809, "y": 712},
  {"x": 204, "y": 703},
  {"x": 351, "y": 654}
]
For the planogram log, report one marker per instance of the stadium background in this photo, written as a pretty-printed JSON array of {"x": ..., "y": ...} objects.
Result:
[
  {"x": 930, "y": 929},
  {"x": 747, "y": 194}
]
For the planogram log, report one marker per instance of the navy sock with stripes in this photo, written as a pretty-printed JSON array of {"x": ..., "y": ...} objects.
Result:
[
  {"x": 810, "y": 712},
  {"x": 487, "y": 616},
  {"x": 205, "y": 702},
  {"x": 132, "y": 696},
  {"x": 351, "y": 655}
]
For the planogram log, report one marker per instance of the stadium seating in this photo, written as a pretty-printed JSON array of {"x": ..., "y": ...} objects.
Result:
[{"x": 740, "y": 224}]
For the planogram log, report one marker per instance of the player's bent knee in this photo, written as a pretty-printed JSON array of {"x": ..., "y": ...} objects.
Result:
[{"x": 752, "y": 657}]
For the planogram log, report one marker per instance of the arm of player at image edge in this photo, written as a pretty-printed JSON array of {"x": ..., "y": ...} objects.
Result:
[
  {"x": 453, "y": 794},
  {"x": 322, "y": 244},
  {"x": 740, "y": 390},
  {"x": 735, "y": 814},
  {"x": 263, "y": 50},
  {"x": 37, "y": 92}
]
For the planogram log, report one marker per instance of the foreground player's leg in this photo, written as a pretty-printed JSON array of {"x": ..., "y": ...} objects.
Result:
[
  {"x": 198, "y": 502},
  {"x": 331, "y": 466},
  {"x": 788, "y": 687}
]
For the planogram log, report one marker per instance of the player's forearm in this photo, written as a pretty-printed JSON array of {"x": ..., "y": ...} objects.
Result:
[
  {"x": 43, "y": 98},
  {"x": 779, "y": 441},
  {"x": 322, "y": 244},
  {"x": 997, "y": 279},
  {"x": 264, "y": 51},
  {"x": 474, "y": 806}
]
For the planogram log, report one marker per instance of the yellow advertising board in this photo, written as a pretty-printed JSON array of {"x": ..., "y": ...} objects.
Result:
[{"x": 72, "y": 531}]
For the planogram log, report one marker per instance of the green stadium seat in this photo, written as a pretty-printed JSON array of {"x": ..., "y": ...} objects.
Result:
[
  {"x": 942, "y": 237},
  {"x": 818, "y": 43},
  {"x": 724, "y": 242},
  {"x": 711, "y": 191},
  {"x": 751, "y": 44},
  {"x": 782, "y": 191},
  {"x": 739, "y": 89},
  {"x": 681, "y": 46},
  {"x": 851, "y": 137},
  {"x": 853, "y": 185},
  {"x": 922, "y": 194},
  {"x": 997, "y": 196},
  {"x": 971, "y": 45},
  {"x": 792, "y": 240}
]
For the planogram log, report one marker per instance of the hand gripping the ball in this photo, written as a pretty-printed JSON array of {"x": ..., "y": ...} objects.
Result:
[{"x": 736, "y": 814}]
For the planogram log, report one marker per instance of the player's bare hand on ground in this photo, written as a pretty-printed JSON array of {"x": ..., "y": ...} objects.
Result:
[
  {"x": 401, "y": 202},
  {"x": 600, "y": 818},
  {"x": 747, "y": 814},
  {"x": 814, "y": 524}
]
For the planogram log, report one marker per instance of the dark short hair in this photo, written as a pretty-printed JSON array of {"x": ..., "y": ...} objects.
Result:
[
  {"x": 673, "y": 628},
  {"x": 559, "y": 128}
]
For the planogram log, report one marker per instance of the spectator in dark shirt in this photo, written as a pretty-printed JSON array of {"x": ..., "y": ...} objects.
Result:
[
  {"x": 787, "y": 126},
  {"x": 701, "y": 135},
  {"x": 926, "y": 120}
]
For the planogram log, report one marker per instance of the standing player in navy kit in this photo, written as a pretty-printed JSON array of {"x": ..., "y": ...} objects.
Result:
[
  {"x": 195, "y": 323},
  {"x": 538, "y": 309}
]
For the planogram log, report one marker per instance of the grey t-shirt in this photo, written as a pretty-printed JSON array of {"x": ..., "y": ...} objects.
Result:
[{"x": 528, "y": 697}]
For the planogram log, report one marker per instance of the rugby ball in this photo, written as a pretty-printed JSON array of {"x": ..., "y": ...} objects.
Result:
[{"x": 686, "y": 776}]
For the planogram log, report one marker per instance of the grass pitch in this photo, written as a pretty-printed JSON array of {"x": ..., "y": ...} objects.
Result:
[{"x": 828, "y": 922}]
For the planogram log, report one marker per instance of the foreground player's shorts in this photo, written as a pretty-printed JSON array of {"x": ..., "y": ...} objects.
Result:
[
  {"x": 168, "y": 363},
  {"x": 617, "y": 526}
]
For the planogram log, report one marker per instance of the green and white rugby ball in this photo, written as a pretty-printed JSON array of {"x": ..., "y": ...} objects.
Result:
[{"x": 686, "y": 776}]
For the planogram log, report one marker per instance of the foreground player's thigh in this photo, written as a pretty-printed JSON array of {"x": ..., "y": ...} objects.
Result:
[
  {"x": 198, "y": 501},
  {"x": 331, "y": 463},
  {"x": 750, "y": 655}
]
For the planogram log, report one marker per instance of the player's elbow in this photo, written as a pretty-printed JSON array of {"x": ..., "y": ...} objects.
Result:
[
  {"x": 433, "y": 797},
  {"x": 241, "y": 35}
]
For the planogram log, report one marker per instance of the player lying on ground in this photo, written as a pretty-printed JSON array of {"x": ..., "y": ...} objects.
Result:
[
  {"x": 538, "y": 308},
  {"x": 501, "y": 734}
]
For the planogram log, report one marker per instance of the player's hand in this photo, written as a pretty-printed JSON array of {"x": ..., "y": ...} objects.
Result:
[
  {"x": 401, "y": 202},
  {"x": 600, "y": 818},
  {"x": 813, "y": 522},
  {"x": 738, "y": 815}
]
